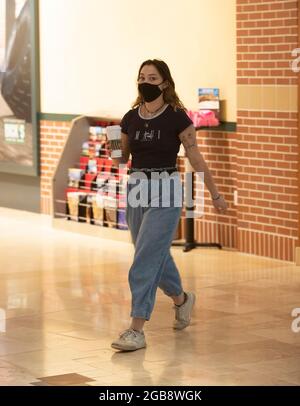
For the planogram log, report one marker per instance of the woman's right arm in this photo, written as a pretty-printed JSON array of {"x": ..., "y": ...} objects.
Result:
[{"x": 125, "y": 151}]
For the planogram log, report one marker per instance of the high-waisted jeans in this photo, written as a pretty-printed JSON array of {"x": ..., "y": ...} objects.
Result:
[{"x": 152, "y": 227}]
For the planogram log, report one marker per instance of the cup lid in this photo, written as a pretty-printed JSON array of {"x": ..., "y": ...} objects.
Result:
[{"x": 113, "y": 127}]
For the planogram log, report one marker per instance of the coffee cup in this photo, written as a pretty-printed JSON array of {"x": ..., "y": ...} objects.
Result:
[{"x": 113, "y": 133}]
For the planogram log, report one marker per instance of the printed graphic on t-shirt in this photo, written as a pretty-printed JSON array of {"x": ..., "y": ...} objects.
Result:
[{"x": 147, "y": 135}]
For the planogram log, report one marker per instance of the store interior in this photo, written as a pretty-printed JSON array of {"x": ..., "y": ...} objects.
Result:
[{"x": 65, "y": 246}]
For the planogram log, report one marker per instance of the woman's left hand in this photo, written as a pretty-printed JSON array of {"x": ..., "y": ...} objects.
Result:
[{"x": 220, "y": 204}]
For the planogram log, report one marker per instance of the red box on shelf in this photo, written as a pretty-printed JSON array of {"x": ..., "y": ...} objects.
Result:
[
  {"x": 71, "y": 190},
  {"x": 100, "y": 163},
  {"x": 83, "y": 162},
  {"x": 107, "y": 166},
  {"x": 89, "y": 180},
  {"x": 120, "y": 172}
]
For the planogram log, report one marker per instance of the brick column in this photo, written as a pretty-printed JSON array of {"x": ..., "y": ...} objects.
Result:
[
  {"x": 53, "y": 136},
  {"x": 267, "y": 128}
]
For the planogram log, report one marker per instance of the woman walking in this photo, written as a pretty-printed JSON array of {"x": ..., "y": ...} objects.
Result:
[{"x": 152, "y": 132}]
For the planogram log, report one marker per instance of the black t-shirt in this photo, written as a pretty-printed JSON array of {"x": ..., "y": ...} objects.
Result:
[{"x": 154, "y": 143}]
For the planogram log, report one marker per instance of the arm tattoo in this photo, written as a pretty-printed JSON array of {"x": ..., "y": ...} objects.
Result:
[{"x": 189, "y": 141}]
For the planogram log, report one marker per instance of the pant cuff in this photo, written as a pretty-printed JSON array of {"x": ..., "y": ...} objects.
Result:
[
  {"x": 173, "y": 294},
  {"x": 145, "y": 316}
]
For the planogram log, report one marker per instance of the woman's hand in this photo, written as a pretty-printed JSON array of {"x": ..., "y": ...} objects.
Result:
[{"x": 220, "y": 204}]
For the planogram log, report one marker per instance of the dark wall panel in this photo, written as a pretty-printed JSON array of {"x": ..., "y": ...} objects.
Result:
[{"x": 20, "y": 192}]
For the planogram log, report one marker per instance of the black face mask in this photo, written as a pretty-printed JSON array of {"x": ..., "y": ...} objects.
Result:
[{"x": 149, "y": 91}]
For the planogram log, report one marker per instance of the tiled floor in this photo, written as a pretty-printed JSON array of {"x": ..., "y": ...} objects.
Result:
[{"x": 64, "y": 297}]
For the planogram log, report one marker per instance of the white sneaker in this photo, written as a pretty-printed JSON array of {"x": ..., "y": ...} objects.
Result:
[
  {"x": 130, "y": 340},
  {"x": 183, "y": 312}
]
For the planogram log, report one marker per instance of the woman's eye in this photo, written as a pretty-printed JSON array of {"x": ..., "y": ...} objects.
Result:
[{"x": 150, "y": 79}]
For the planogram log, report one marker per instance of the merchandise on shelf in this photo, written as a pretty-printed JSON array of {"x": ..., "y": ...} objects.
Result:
[
  {"x": 122, "y": 224},
  {"x": 76, "y": 206},
  {"x": 92, "y": 166},
  {"x": 96, "y": 192},
  {"x": 89, "y": 181},
  {"x": 208, "y": 99},
  {"x": 208, "y": 113},
  {"x": 89, "y": 209},
  {"x": 98, "y": 209},
  {"x": 203, "y": 118},
  {"x": 111, "y": 212},
  {"x": 95, "y": 146},
  {"x": 75, "y": 176},
  {"x": 83, "y": 162},
  {"x": 85, "y": 149}
]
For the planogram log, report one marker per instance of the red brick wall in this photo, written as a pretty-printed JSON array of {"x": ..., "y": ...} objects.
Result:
[
  {"x": 219, "y": 150},
  {"x": 267, "y": 183},
  {"x": 267, "y": 32},
  {"x": 53, "y": 135},
  {"x": 267, "y": 141}
]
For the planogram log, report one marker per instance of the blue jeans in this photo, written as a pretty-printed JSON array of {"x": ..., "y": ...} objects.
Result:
[{"x": 152, "y": 230}]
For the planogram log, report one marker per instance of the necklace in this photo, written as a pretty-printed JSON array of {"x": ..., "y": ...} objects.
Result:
[
  {"x": 152, "y": 113},
  {"x": 155, "y": 111}
]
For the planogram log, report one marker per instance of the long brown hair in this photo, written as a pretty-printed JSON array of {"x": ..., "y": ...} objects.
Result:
[{"x": 169, "y": 94}]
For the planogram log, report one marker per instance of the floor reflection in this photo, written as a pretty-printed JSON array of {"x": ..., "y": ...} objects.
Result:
[{"x": 64, "y": 297}]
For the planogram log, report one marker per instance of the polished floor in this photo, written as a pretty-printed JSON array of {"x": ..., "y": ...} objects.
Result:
[{"x": 64, "y": 298}]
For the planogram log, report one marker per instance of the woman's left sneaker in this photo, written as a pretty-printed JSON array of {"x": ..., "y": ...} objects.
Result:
[
  {"x": 183, "y": 313},
  {"x": 130, "y": 340}
]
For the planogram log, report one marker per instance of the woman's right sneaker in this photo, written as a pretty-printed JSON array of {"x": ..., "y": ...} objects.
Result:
[
  {"x": 183, "y": 313},
  {"x": 130, "y": 340}
]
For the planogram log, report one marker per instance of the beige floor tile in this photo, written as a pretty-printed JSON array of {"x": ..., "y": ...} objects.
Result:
[
  {"x": 281, "y": 334},
  {"x": 64, "y": 297}
]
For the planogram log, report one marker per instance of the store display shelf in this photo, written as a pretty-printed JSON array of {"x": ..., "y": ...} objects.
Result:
[{"x": 72, "y": 152}]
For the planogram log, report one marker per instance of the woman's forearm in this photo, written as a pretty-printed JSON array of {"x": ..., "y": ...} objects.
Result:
[{"x": 199, "y": 165}]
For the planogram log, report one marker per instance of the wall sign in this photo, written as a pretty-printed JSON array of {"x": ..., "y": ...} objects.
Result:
[{"x": 19, "y": 87}]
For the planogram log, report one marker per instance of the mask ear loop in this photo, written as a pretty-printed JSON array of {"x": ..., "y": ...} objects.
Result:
[{"x": 167, "y": 84}]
